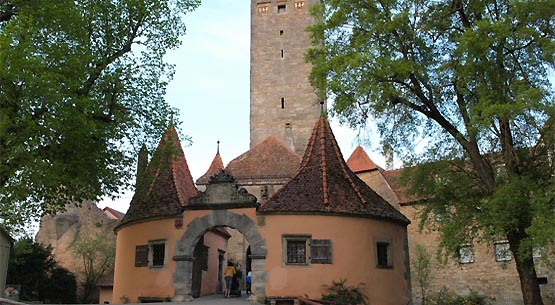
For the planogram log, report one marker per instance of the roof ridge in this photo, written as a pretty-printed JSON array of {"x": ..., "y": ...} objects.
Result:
[{"x": 324, "y": 163}]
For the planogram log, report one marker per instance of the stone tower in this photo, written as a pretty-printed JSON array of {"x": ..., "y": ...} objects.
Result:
[{"x": 282, "y": 101}]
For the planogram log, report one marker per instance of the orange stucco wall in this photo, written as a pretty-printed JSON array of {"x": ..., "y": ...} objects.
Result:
[
  {"x": 353, "y": 250},
  {"x": 105, "y": 295},
  {"x": 132, "y": 282},
  {"x": 210, "y": 277}
]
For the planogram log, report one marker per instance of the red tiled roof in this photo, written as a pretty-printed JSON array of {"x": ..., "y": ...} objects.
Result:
[
  {"x": 268, "y": 159},
  {"x": 392, "y": 177},
  {"x": 325, "y": 184},
  {"x": 166, "y": 185},
  {"x": 115, "y": 213},
  {"x": 216, "y": 166},
  {"x": 360, "y": 162}
]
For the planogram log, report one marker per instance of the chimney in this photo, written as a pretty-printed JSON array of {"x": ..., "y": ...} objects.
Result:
[
  {"x": 388, "y": 153},
  {"x": 289, "y": 136}
]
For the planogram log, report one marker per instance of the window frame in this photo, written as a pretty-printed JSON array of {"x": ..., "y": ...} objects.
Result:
[
  {"x": 151, "y": 245},
  {"x": 466, "y": 250},
  {"x": 378, "y": 244},
  {"x": 286, "y": 238}
]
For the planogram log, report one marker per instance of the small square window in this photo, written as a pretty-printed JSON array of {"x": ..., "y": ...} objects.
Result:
[
  {"x": 296, "y": 249},
  {"x": 466, "y": 254},
  {"x": 296, "y": 252},
  {"x": 383, "y": 255},
  {"x": 502, "y": 251},
  {"x": 281, "y": 8}
]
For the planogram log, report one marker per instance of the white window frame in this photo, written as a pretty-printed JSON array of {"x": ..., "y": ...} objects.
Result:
[
  {"x": 502, "y": 251},
  {"x": 466, "y": 254}
]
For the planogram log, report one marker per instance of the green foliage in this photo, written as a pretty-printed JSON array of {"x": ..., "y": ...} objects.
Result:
[
  {"x": 421, "y": 271},
  {"x": 446, "y": 297},
  {"x": 41, "y": 278},
  {"x": 97, "y": 253},
  {"x": 341, "y": 294},
  {"x": 81, "y": 89},
  {"x": 462, "y": 91}
]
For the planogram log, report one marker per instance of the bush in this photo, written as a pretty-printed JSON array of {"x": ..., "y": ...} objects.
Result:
[
  {"x": 447, "y": 297},
  {"x": 341, "y": 294}
]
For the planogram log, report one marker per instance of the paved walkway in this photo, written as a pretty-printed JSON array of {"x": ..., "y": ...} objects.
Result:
[
  {"x": 218, "y": 299},
  {"x": 215, "y": 299}
]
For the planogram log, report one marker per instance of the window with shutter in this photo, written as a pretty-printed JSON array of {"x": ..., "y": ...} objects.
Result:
[
  {"x": 141, "y": 256},
  {"x": 320, "y": 251}
]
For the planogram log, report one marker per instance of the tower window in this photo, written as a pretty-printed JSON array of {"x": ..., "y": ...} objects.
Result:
[
  {"x": 281, "y": 8},
  {"x": 281, "y": 53},
  {"x": 280, "y": 32},
  {"x": 282, "y": 103}
]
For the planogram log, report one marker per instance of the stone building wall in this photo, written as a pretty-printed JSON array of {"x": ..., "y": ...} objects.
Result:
[
  {"x": 282, "y": 102},
  {"x": 59, "y": 232},
  {"x": 496, "y": 279}
]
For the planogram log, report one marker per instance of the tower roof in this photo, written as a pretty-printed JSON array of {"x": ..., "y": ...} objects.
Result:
[
  {"x": 215, "y": 167},
  {"x": 324, "y": 184},
  {"x": 360, "y": 162},
  {"x": 166, "y": 184},
  {"x": 270, "y": 159}
]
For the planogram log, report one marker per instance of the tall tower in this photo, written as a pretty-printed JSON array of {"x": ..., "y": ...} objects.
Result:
[{"x": 282, "y": 101}]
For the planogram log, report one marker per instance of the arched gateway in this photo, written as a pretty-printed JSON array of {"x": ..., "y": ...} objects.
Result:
[{"x": 222, "y": 204}]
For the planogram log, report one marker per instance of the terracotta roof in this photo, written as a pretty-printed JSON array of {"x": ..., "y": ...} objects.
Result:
[
  {"x": 114, "y": 214},
  {"x": 216, "y": 166},
  {"x": 392, "y": 177},
  {"x": 167, "y": 184},
  {"x": 268, "y": 159},
  {"x": 360, "y": 162},
  {"x": 325, "y": 184}
]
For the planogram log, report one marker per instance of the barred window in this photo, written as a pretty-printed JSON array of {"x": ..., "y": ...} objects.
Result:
[
  {"x": 296, "y": 252},
  {"x": 295, "y": 249}
]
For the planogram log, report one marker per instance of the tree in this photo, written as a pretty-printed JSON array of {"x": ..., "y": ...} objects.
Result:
[
  {"x": 422, "y": 271},
  {"x": 81, "y": 89},
  {"x": 469, "y": 81},
  {"x": 97, "y": 252},
  {"x": 41, "y": 278}
]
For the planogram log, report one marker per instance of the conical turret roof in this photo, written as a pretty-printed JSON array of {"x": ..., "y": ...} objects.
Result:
[
  {"x": 324, "y": 184},
  {"x": 359, "y": 161},
  {"x": 215, "y": 167},
  {"x": 166, "y": 184}
]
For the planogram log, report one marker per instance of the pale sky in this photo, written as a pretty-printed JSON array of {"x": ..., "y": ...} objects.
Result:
[{"x": 211, "y": 89}]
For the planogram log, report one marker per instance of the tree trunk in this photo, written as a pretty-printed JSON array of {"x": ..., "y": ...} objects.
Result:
[{"x": 526, "y": 271}]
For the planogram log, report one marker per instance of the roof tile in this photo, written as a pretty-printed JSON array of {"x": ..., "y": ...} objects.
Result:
[
  {"x": 215, "y": 167},
  {"x": 166, "y": 185},
  {"x": 325, "y": 184},
  {"x": 268, "y": 159},
  {"x": 360, "y": 162}
]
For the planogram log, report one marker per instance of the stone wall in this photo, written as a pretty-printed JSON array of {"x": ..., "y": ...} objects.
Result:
[
  {"x": 282, "y": 102},
  {"x": 486, "y": 276},
  {"x": 59, "y": 232}
]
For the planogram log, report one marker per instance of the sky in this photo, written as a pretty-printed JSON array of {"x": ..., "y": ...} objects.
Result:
[{"x": 211, "y": 89}]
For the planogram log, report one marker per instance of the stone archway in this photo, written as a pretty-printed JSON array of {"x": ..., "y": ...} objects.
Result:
[{"x": 183, "y": 254}]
